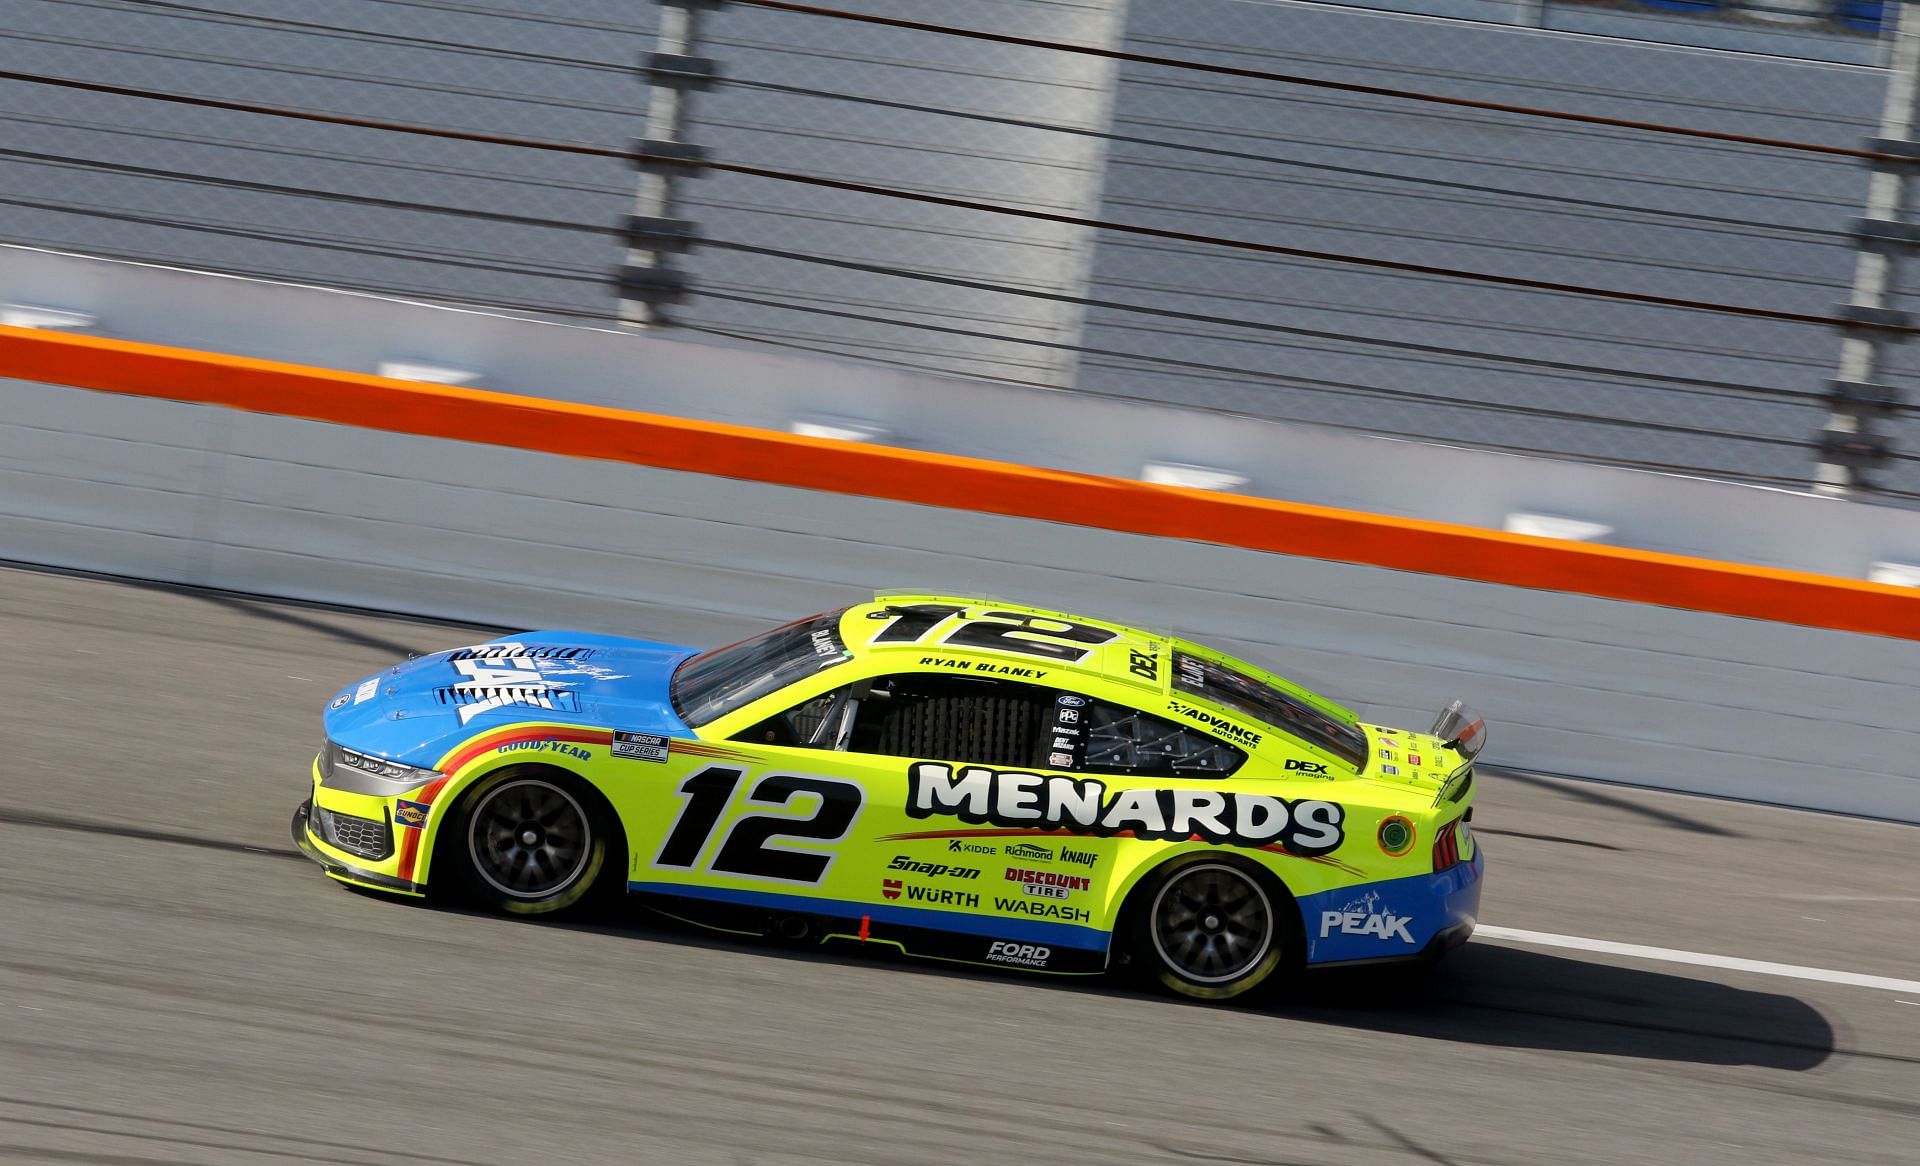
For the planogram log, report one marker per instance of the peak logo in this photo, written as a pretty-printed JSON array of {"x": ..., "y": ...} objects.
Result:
[
  {"x": 980, "y": 795},
  {"x": 1218, "y": 724},
  {"x": 1365, "y": 916}
]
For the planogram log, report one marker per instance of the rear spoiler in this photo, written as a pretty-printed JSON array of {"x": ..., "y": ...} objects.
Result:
[{"x": 1462, "y": 729}]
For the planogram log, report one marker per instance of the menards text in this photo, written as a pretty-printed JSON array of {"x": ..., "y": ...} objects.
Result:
[{"x": 1085, "y": 806}]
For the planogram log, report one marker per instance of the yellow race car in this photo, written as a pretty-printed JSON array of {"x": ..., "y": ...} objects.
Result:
[{"x": 956, "y": 779}]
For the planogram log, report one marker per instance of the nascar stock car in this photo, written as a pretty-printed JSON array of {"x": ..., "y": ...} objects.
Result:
[{"x": 953, "y": 778}]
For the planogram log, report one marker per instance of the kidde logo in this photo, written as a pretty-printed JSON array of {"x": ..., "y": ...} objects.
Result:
[
  {"x": 1047, "y": 878},
  {"x": 1027, "y": 955}
]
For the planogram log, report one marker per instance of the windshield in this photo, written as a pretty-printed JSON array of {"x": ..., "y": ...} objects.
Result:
[
  {"x": 713, "y": 684},
  {"x": 1270, "y": 706}
]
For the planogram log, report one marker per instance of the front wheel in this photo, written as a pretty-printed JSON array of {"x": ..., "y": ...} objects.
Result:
[
  {"x": 1212, "y": 929},
  {"x": 532, "y": 844}
]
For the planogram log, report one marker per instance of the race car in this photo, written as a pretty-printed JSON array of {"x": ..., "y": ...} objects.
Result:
[{"x": 951, "y": 778}]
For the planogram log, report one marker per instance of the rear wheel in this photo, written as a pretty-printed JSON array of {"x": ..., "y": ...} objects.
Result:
[
  {"x": 533, "y": 843},
  {"x": 1212, "y": 928}
]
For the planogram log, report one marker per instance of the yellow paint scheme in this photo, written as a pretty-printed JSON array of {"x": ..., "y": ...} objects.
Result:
[{"x": 1092, "y": 875}]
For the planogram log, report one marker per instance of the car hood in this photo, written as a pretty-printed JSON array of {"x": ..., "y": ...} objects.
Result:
[{"x": 417, "y": 711}]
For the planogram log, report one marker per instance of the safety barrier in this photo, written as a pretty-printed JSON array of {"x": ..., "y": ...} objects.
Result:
[{"x": 960, "y": 483}]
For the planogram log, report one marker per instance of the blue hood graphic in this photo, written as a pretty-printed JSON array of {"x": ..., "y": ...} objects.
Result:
[{"x": 415, "y": 712}]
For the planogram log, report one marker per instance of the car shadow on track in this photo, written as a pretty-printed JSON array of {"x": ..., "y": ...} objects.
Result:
[
  {"x": 1482, "y": 994},
  {"x": 1486, "y": 994}
]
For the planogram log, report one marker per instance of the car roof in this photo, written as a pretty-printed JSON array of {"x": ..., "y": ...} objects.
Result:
[
  {"x": 865, "y": 621},
  {"x": 1119, "y": 659}
]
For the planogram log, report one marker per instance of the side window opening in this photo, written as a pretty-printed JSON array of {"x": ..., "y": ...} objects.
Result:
[
  {"x": 825, "y": 722},
  {"x": 1127, "y": 741},
  {"x": 953, "y": 718}
]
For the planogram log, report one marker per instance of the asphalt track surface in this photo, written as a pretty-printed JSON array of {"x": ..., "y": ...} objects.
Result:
[{"x": 178, "y": 986}]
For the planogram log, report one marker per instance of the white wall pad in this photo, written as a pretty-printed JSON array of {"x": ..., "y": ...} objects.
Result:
[
  {"x": 34, "y": 316},
  {"x": 839, "y": 428},
  {"x": 1898, "y": 574},
  {"x": 1555, "y": 526},
  {"x": 433, "y": 374},
  {"x": 1192, "y": 477}
]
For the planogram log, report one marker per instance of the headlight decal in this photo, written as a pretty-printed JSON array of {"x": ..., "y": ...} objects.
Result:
[{"x": 352, "y": 771}]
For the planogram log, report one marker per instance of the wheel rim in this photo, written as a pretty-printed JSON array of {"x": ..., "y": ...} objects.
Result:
[
  {"x": 1212, "y": 923},
  {"x": 529, "y": 839}
]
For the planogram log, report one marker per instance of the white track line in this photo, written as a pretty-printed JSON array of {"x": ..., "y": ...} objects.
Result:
[{"x": 1701, "y": 959}]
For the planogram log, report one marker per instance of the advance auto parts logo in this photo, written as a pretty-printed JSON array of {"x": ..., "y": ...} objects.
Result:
[
  {"x": 1084, "y": 806},
  {"x": 1218, "y": 724}
]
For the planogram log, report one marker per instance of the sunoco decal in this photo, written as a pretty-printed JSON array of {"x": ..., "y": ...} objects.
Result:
[{"x": 1084, "y": 806}]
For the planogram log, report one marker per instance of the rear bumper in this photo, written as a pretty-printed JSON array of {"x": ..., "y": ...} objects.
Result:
[{"x": 1398, "y": 919}]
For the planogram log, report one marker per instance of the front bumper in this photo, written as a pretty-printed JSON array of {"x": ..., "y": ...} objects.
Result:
[
  {"x": 338, "y": 867},
  {"x": 370, "y": 840}
]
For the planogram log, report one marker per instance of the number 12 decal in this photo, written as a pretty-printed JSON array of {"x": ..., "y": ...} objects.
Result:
[
  {"x": 1006, "y": 631},
  {"x": 749, "y": 848}
]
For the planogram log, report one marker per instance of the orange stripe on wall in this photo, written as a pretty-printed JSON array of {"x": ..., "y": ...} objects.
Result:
[{"x": 959, "y": 483}]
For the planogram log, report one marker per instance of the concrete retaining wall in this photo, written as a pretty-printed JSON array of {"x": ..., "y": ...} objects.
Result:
[{"x": 1592, "y": 687}]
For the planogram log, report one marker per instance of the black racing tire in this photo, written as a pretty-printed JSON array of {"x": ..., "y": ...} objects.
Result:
[
  {"x": 533, "y": 841},
  {"x": 1212, "y": 927}
]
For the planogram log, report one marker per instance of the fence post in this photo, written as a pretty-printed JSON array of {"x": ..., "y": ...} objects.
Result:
[
  {"x": 1848, "y": 447},
  {"x": 649, "y": 282}
]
